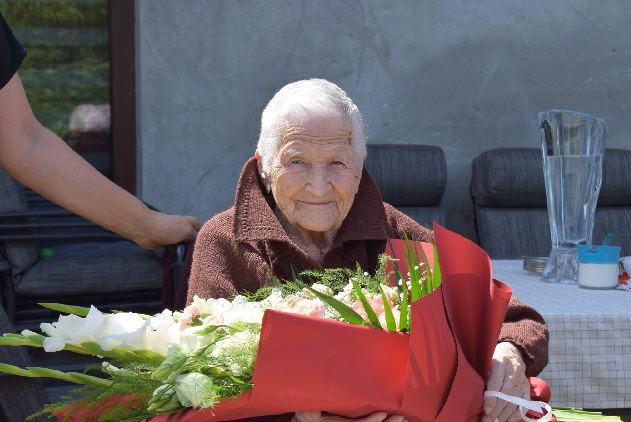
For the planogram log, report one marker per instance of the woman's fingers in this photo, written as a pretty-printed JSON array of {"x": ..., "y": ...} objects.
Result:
[
  {"x": 396, "y": 418},
  {"x": 492, "y": 405},
  {"x": 317, "y": 416},
  {"x": 524, "y": 392},
  {"x": 506, "y": 376},
  {"x": 307, "y": 416}
]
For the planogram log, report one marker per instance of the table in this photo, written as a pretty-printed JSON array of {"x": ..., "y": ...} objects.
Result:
[{"x": 590, "y": 338}]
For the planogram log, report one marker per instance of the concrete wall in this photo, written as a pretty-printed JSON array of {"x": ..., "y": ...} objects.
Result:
[{"x": 467, "y": 76}]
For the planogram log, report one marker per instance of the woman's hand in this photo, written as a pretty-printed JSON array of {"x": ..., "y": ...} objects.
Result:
[
  {"x": 507, "y": 375},
  {"x": 317, "y": 416},
  {"x": 165, "y": 229}
]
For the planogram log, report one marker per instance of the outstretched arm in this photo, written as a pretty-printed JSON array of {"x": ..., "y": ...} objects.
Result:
[{"x": 39, "y": 159}]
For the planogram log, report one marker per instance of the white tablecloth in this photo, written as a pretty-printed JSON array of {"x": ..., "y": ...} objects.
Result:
[{"x": 590, "y": 338}]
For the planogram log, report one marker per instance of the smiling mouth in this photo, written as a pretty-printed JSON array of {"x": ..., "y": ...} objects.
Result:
[{"x": 318, "y": 203}]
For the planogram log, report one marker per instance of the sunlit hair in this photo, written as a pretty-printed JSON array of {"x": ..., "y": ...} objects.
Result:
[{"x": 307, "y": 98}]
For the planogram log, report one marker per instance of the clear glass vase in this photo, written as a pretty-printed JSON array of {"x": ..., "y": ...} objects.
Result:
[{"x": 572, "y": 146}]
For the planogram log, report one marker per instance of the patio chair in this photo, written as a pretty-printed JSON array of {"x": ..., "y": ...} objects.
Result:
[
  {"x": 48, "y": 254},
  {"x": 509, "y": 200},
  {"x": 412, "y": 178},
  {"x": 19, "y": 397}
]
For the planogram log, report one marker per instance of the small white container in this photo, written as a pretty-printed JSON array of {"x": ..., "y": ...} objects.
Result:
[
  {"x": 593, "y": 275},
  {"x": 598, "y": 266}
]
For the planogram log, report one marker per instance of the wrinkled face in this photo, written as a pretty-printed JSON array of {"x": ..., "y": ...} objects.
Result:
[{"x": 316, "y": 174}]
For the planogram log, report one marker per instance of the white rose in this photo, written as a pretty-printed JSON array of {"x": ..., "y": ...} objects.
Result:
[
  {"x": 194, "y": 338},
  {"x": 195, "y": 390},
  {"x": 211, "y": 306}
]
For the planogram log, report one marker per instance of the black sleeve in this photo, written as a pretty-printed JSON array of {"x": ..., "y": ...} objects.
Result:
[{"x": 11, "y": 53}]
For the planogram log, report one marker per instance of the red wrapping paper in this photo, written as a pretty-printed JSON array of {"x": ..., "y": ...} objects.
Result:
[{"x": 436, "y": 373}]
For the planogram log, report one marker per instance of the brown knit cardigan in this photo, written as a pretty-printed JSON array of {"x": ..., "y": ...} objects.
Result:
[{"x": 234, "y": 248}]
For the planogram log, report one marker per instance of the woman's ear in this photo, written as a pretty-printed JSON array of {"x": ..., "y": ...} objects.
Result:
[
  {"x": 259, "y": 166},
  {"x": 264, "y": 176}
]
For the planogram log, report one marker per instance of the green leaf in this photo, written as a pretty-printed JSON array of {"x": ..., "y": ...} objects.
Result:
[
  {"x": 570, "y": 414},
  {"x": 398, "y": 277},
  {"x": 416, "y": 288},
  {"x": 95, "y": 349},
  {"x": 390, "y": 323},
  {"x": 274, "y": 280},
  {"x": 372, "y": 317},
  {"x": 425, "y": 288},
  {"x": 436, "y": 270},
  {"x": 345, "y": 312},
  {"x": 296, "y": 276},
  {"x": 73, "y": 377},
  {"x": 12, "y": 335},
  {"x": 403, "y": 321},
  {"x": 34, "y": 337},
  {"x": 428, "y": 272},
  {"x": 67, "y": 309},
  {"x": 89, "y": 380},
  {"x": 14, "y": 370},
  {"x": 16, "y": 341}
]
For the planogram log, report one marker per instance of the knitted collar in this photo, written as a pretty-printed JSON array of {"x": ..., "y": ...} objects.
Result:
[{"x": 255, "y": 220}]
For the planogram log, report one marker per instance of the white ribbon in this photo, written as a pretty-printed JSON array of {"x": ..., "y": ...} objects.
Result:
[{"x": 530, "y": 405}]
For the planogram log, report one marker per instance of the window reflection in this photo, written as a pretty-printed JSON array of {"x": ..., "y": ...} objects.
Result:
[{"x": 66, "y": 73}]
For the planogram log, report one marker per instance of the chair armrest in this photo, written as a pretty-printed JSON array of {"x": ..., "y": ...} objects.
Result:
[{"x": 5, "y": 226}]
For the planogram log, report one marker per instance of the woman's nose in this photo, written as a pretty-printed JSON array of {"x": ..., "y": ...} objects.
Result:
[{"x": 318, "y": 182}]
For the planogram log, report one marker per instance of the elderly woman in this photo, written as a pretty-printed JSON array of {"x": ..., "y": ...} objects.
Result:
[{"x": 305, "y": 199}]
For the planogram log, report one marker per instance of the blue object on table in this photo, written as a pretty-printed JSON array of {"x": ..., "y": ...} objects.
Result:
[{"x": 594, "y": 253}]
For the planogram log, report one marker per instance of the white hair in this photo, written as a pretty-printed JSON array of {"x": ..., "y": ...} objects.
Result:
[{"x": 312, "y": 97}]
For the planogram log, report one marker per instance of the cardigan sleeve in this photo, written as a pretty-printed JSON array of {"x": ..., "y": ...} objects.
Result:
[{"x": 525, "y": 328}]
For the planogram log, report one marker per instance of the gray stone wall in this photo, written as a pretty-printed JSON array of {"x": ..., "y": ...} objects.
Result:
[{"x": 467, "y": 76}]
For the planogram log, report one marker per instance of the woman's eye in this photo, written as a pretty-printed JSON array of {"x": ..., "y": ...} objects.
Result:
[
  {"x": 337, "y": 163},
  {"x": 295, "y": 161}
]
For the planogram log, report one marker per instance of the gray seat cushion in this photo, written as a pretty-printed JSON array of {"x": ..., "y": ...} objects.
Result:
[
  {"x": 92, "y": 267},
  {"x": 408, "y": 175},
  {"x": 508, "y": 177}
]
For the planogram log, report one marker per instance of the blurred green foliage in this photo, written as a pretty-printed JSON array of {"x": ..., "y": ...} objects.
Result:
[{"x": 60, "y": 71}]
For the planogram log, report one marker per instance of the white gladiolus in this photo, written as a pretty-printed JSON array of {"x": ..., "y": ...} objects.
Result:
[
  {"x": 48, "y": 329},
  {"x": 163, "y": 331},
  {"x": 130, "y": 332},
  {"x": 125, "y": 330},
  {"x": 73, "y": 329}
]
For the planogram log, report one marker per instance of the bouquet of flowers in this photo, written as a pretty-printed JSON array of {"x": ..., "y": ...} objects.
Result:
[{"x": 349, "y": 344}]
